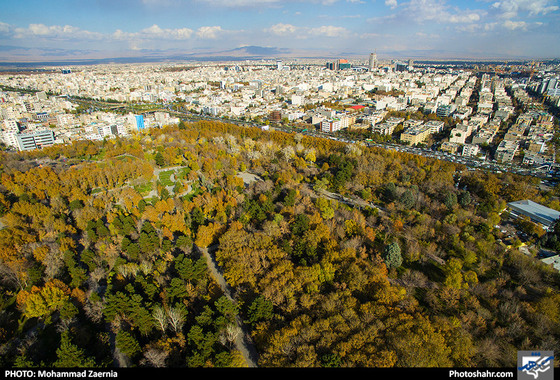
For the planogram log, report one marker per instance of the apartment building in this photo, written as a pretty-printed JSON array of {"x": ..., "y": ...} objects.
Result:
[
  {"x": 331, "y": 125},
  {"x": 460, "y": 133},
  {"x": 29, "y": 140},
  {"x": 415, "y": 135},
  {"x": 470, "y": 150},
  {"x": 506, "y": 151}
]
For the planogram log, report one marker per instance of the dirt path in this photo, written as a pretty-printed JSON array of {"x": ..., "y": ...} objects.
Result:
[{"x": 243, "y": 341}]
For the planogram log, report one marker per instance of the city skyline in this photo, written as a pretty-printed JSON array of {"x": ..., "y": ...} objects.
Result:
[{"x": 76, "y": 30}]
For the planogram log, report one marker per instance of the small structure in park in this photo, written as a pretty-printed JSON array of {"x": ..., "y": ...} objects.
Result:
[{"x": 536, "y": 212}]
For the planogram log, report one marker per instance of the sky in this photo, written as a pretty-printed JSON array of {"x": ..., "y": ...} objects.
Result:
[{"x": 63, "y": 29}]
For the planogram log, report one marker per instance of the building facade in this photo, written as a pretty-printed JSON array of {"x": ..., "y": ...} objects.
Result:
[{"x": 35, "y": 140}]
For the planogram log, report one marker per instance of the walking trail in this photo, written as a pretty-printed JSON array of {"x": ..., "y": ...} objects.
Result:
[{"x": 243, "y": 341}]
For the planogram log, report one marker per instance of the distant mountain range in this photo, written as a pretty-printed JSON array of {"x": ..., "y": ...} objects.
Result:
[
  {"x": 22, "y": 57},
  {"x": 15, "y": 56},
  {"x": 248, "y": 51}
]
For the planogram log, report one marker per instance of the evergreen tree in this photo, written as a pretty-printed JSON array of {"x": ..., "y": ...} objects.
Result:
[
  {"x": 127, "y": 344},
  {"x": 70, "y": 356},
  {"x": 392, "y": 255},
  {"x": 407, "y": 199},
  {"x": 160, "y": 161},
  {"x": 259, "y": 310}
]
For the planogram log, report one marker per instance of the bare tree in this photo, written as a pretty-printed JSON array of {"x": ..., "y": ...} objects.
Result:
[
  {"x": 155, "y": 357},
  {"x": 53, "y": 263},
  {"x": 230, "y": 334},
  {"x": 9, "y": 275},
  {"x": 94, "y": 310},
  {"x": 161, "y": 318},
  {"x": 176, "y": 318}
]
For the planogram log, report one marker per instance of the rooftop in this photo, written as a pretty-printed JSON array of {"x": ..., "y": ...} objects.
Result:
[{"x": 535, "y": 211}]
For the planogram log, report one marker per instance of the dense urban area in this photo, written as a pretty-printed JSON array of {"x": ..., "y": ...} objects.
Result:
[
  {"x": 473, "y": 112},
  {"x": 269, "y": 213}
]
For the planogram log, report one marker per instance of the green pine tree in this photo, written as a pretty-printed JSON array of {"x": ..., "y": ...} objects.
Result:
[{"x": 69, "y": 355}]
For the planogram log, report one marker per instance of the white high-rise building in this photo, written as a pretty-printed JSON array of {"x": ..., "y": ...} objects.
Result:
[
  {"x": 10, "y": 138},
  {"x": 297, "y": 100},
  {"x": 11, "y": 125},
  {"x": 372, "y": 61},
  {"x": 331, "y": 125}
]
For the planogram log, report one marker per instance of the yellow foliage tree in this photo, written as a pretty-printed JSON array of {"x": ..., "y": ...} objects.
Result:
[
  {"x": 207, "y": 235},
  {"x": 41, "y": 302}
]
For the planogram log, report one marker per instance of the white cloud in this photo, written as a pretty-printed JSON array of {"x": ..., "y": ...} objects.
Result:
[
  {"x": 72, "y": 33},
  {"x": 286, "y": 30},
  {"x": 513, "y": 25},
  {"x": 67, "y": 32},
  {"x": 154, "y": 32},
  {"x": 329, "y": 31},
  {"x": 262, "y": 3},
  {"x": 426, "y": 35},
  {"x": 282, "y": 29},
  {"x": 120, "y": 35},
  {"x": 468, "y": 28},
  {"x": 369, "y": 35},
  {"x": 429, "y": 11},
  {"x": 512, "y": 8},
  {"x": 495, "y": 27},
  {"x": 209, "y": 32},
  {"x": 391, "y": 3},
  {"x": 5, "y": 28},
  {"x": 160, "y": 3},
  {"x": 239, "y": 3},
  {"x": 182, "y": 33},
  {"x": 426, "y": 10},
  {"x": 464, "y": 18}
]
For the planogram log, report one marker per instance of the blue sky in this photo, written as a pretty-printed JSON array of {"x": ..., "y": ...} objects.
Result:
[{"x": 415, "y": 28}]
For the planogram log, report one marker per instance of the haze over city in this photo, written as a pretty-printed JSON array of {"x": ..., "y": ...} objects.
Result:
[{"x": 35, "y": 31}]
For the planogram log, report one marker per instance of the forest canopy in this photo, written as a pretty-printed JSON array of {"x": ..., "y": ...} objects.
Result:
[{"x": 331, "y": 255}]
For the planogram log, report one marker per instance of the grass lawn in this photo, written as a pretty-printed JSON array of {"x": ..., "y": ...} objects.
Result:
[
  {"x": 165, "y": 178},
  {"x": 144, "y": 188}
]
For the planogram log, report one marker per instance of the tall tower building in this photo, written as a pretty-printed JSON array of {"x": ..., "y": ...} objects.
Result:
[
  {"x": 372, "y": 61},
  {"x": 139, "y": 122}
]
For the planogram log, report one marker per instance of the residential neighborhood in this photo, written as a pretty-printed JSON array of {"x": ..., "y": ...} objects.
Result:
[{"x": 448, "y": 108}]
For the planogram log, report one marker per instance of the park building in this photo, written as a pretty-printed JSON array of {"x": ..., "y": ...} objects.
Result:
[{"x": 536, "y": 212}]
